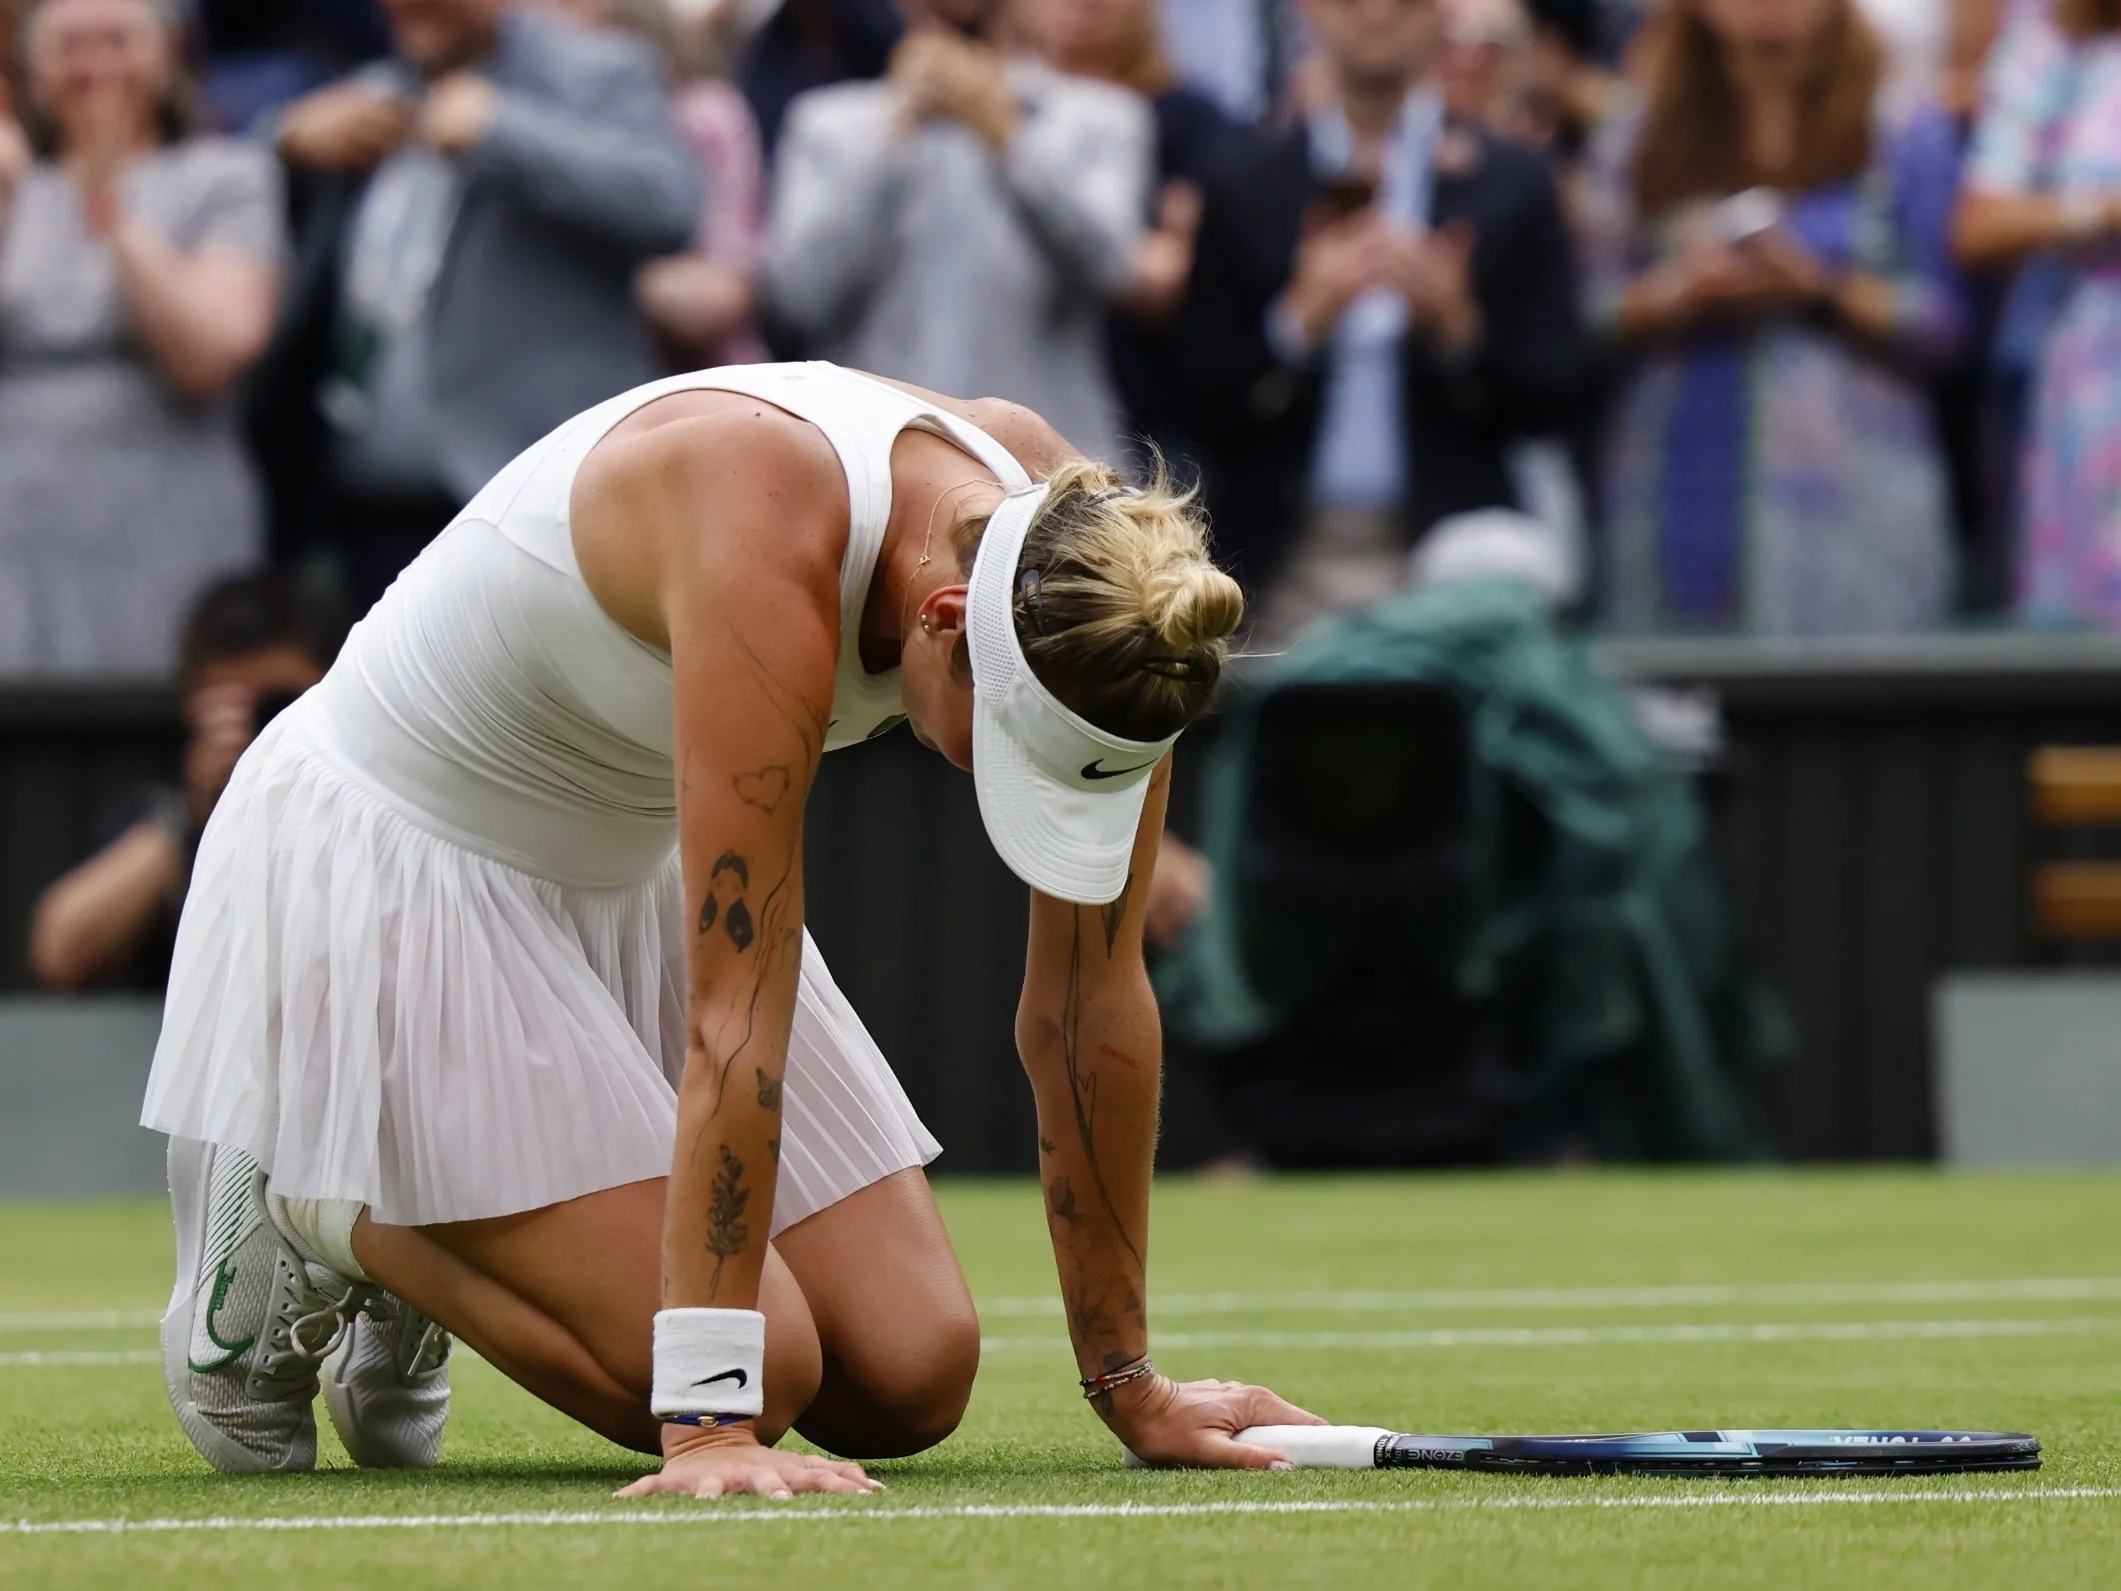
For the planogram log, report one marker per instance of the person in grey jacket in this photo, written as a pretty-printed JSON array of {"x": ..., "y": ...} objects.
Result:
[
  {"x": 471, "y": 217},
  {"x": 965, "y": 222}
]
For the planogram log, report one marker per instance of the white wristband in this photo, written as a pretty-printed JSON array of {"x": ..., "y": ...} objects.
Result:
[{"x": 709, "y": 1361}]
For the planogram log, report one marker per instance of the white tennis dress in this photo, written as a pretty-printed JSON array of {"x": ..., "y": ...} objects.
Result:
[{"x": 433, "y": 958}]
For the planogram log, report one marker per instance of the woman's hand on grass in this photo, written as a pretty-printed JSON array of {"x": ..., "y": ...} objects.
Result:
[
  {"x": 1194, "y": 1424},
  {"x": 728, "y": 1461}
]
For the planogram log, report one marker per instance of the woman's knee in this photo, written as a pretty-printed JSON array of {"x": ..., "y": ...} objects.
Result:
[
  {"x": 894, "y": 1398},
  {"x": 794, "y": 1363},
  {"x": 939, "y": 1385}
]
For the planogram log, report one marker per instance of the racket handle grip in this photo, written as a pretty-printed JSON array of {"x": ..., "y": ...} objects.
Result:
[{"x": 1319, "y": 1446}]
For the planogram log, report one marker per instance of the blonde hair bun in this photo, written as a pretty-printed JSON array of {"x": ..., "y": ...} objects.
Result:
[
  {"x": 1191, "y": 604},
  {"x": 1121, "y": 612}
]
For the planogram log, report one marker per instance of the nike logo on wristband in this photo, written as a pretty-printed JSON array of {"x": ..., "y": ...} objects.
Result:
[
  {"x": 1098, "y": 770},
  {"x": 742, "y": 1380}
]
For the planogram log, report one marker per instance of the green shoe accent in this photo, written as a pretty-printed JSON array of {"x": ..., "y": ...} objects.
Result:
[{"x": 224, "y": 1277}]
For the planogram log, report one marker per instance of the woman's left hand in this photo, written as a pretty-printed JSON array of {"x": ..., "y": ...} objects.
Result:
[
  {"x": 1790, "y": 273},
  {"x": 1194, "y": 1424}
]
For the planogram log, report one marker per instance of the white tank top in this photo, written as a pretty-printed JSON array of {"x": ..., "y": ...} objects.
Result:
[{"x": 489, "y": 698}]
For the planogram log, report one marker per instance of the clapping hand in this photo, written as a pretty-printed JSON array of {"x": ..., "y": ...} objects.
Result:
[
  {"x": 457, "y": 112},
  {"x": 1164, "y": 258},
  {"x": 1337, "y": 263},
  {"x": 350, "y": 127},
  {"x": 1791, "y": 275},
  {"x": 1434, "y": 271},
  {"x": 946, "y": 76},
  {"x": 1769, "y": 274}
]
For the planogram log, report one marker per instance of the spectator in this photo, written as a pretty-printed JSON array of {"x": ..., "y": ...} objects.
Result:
[
  {"x": 1771, "y": 255},
  {"x": 138, "y": 273},
  {"x": 1916, "y": 38},
  {"x": 1235, "y": 51},
  {"x": 1528, "y": 71},
  {"x": 259, "y": 54},
  {"x": 1117, "y": 41},
  {"x": 2044, "y": 177},
  {"x": 1382, "y": 306},
  {"x": 1489, "y": 71},
  {"x": 250, "y": 646},
  {"x": 1972, "y": 28},
  {"x": 700, "y": 302},
  {"x": 966, "y": 223},
  {"x": 1563, "y": 90},
  {"x": 802, "y": 45},
  {"x": 474, "y": 213},
  {"x": 1981, "y": 397},
  {"x": 1482, "y": 62}
]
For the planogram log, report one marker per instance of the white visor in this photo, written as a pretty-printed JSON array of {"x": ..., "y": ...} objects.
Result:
[{"x": 1061, "y": 798}]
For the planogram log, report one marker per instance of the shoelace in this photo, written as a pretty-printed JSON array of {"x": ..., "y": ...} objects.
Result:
[
  {"x": 393, "y": 1320},
  {"x": 291, "y": 1350},
  {"x": 428, "y": 1356},
  {"x": 392, "y": 1316}
]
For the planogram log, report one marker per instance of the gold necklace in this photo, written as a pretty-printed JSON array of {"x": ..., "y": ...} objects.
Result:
[{"x": 913, "y": 576}]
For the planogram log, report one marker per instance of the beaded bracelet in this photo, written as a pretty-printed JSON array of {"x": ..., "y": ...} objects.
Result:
[{"x": 1112, "y": 1380}]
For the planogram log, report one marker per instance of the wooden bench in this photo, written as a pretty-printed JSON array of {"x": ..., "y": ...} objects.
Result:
[{"x": 2075, "y": 787}]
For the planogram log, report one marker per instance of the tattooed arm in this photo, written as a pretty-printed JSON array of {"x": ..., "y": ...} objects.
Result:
[
  {"x": 1088, "y": 1033},
  {"x": 753, "y": 647},
  {"x": 750, "y": 608}
]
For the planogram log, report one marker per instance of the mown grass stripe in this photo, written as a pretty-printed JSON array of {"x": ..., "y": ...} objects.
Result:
[
  {"x": 2054, "y": 1289},
  {"x": 886, "y": 1514},
  {"x": 82, "y": 1320},
  {"x": 1448, "y": 1337},
  {"x": 34, "y": 1359},
  {"x": 1593, "y": 1336}
]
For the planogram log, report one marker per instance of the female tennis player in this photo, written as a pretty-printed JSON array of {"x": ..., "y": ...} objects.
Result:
[{"x": 493, "y": 1013}]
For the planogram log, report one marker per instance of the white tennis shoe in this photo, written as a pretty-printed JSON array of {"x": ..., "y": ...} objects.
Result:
[
  {"x": 250, "y": 1319},
  {"x": 386, "y": 1385}
]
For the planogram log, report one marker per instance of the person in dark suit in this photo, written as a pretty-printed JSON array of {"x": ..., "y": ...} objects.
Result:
[
  {"x": 1383, "y": 301},
  {"x": 471, "y": 214}
]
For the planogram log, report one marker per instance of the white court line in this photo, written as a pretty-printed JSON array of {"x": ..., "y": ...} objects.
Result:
[
  {"x": 1574, "y": 1336},
  {"x": 34, "y": 1358},
  {"x": 883, "y": 1514},
  {"x": 2057, "y": 1289},
  {"x": 82, "y": 1320},
  {"x": 2050, "y": 1289}
]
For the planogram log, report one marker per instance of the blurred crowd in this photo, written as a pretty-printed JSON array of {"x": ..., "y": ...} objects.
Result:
[
  {"x": 1783, "y": 317},
  {"x": 1792, "y": 318}
]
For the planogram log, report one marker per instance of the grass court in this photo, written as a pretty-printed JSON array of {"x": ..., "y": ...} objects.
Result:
[{"x": 1509, "y": 1303}]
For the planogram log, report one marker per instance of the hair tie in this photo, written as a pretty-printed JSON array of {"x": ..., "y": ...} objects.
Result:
[
  {"x": 1178, "y": 668},
  {"x": 1031, "y": 593}
]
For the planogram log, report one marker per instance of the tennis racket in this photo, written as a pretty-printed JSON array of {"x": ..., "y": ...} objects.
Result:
[{"x": 1655, "y": 1452}]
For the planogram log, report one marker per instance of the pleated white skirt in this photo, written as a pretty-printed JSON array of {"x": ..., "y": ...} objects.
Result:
[{"x": 380, "y": 1013}]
